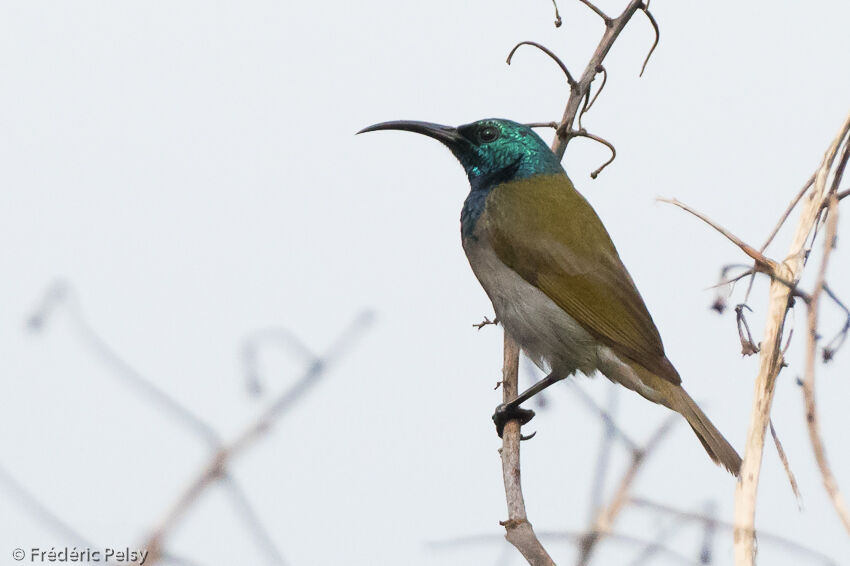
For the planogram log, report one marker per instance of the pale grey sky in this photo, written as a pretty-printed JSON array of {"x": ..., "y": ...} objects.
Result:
[{"x": 191, "y": 169}]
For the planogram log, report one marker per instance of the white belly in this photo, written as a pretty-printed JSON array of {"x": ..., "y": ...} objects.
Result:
[{"x": 550, "y": 337}]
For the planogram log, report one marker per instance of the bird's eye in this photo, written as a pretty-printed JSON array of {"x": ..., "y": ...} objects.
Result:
[{"x": 489, "y": 133}]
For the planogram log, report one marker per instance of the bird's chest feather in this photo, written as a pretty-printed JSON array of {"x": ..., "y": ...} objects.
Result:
[{"x": 547, "y": 334}]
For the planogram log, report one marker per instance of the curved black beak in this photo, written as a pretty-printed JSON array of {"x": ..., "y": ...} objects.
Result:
[{"x": 445, "y": 134}]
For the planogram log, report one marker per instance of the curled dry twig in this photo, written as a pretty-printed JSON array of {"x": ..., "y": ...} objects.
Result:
[
  {"x": 748, "y": 347},
  {"x": 570, "y": 80}
]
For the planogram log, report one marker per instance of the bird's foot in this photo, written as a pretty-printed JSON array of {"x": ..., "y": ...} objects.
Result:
[{"x": 507, "y": 412}]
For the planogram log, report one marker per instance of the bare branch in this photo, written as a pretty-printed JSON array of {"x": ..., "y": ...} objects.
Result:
[
  {"x": 518, "y": 530},
  {"x": 60, "y": 293},
  {"x": 605, "y": 518},
  {"x": 216, "y": 467},
  {"x": 770, "y": 357},
  {"x": 710, "y": 520},
  {"x": 812, "y": 420}
]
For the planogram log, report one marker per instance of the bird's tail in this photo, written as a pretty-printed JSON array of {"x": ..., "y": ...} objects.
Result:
[
  {"x": 673, "y": 396},
  {"x": 714, "y": 443}
]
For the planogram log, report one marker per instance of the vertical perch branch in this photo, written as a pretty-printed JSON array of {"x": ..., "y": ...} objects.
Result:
[
  {"x": 518, "y": 530},
  {"x": 770, "y": 361}
]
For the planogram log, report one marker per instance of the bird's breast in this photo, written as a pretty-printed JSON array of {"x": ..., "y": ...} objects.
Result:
[{"x": 547, "y": 334}]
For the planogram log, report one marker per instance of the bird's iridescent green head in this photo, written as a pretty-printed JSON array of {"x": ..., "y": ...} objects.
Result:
[{"x": 491, "y": 150}]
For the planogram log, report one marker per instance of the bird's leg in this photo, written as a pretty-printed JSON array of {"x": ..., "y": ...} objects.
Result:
[{"x": 512, "y": 410}]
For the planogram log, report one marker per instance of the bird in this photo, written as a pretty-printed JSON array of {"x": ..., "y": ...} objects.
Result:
[{"x": 553, "y": 275}]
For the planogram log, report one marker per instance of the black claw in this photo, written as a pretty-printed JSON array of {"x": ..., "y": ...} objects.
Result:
[
  {"x": 529, "y": 437},
  {"x": 507, "y": 412}
]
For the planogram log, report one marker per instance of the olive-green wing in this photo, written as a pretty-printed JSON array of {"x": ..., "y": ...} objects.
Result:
[{"x": 543, "y": 229}]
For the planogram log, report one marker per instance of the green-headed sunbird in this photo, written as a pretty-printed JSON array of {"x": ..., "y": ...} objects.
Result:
[{"x": 554, "y": 277}]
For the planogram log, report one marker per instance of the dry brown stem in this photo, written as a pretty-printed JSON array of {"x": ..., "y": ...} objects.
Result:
[{"x": 812, "y": 419}]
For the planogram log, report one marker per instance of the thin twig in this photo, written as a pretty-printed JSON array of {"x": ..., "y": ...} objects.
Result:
[
  {"x": 784, "y": 458},
  {"x": 252, "y": 520},
  {"x": 583, "y": 134},
  {"x": 770, "y": 358},
  {"x": 599, "y": 69},
  {"x": 599, "y": 12},
  {"x": 50, "y": 519},
  {"x": 558, "y": 20},
  {"x": 215, "y": 468},
  {"x": 706, "y": 551},
  {"x": 547, "y": 51},
  {"x": 605, "y": 518},
  {"x": 787, "y": 212},
  {"x": 652, "y": 21},
  {"x": 656, "y": 545},
  {"x": 486, "y": 322},
  {"x": 837, "y": 340},
  {"x": 763, "y": 263},
  {"x": 606, "y": 417},
  {"x": 251, "y": 352},
  {"x": 600, "y": 471},
  {"x": 812, "y": 420},
  {"x": 706, "y": 519},
  {"x": 61, "y": 293}
]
